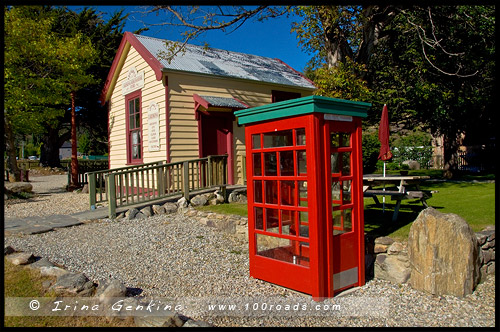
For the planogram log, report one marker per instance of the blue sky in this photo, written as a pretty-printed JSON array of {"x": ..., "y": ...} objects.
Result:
[{"x": 271, "y": 38}]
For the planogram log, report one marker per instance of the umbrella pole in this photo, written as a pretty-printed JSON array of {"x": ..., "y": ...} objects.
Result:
[{"x": 383, "y": 197}]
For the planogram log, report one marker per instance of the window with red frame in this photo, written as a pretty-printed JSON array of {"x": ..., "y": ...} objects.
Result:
[{"x": 134, "y": 138}]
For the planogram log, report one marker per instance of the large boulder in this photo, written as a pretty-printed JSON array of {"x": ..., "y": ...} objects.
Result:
[
  {"x": 17, "y": 187},
  {"x": 444, "y": 254}
]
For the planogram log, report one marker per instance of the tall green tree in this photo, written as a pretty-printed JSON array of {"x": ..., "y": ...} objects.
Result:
[
  {"x": 31, "y": 84},
  {"x": 105, "y": 36},
  {"x": 436, "y": 66},
  {"x": 433, "y": 65}
]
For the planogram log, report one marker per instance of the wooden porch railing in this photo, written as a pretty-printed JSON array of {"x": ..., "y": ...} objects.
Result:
[
  {"x": 148, "y": 182},
  {"x": 97, "y": 182}
]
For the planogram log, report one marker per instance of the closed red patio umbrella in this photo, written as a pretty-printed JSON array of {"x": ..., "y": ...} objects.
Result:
[{"x": 383, "y": 136}]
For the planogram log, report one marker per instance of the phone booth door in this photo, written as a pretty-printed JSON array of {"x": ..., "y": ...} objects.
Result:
[{"x": 344, "y": 204}]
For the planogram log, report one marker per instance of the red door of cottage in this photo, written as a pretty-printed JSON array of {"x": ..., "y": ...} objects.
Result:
[
  {"x": 216, "y": 138},
  {"x": 214, "y": 135}
]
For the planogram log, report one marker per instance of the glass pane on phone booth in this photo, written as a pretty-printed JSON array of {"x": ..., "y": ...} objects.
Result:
[
  {"x": 288, "y": 222},
  {"x": 270, "y": 164},
  {"x": 286, "y": 163}
]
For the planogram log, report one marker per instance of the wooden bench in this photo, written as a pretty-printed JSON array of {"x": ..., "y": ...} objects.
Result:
[{"x": 397, "y": 196}]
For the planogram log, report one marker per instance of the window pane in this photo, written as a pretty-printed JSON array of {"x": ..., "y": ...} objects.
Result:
[
  {"x": 257, "y": 190},
  {"x": 278, "y": 138},
  {"x": 346, "y": 192},
  {"x": 131, "y": 122},
  {"x": 301, "y": 136},
  {"x": 271, "y": 188},
  {"x": 257, "y": 166},
  {"x": 256, "y": 141},
  {"x": 335, "y": 138},
  {"x": 287, "y": 192},
  {"x": 335, "y": 190},
  {"x": 302, "y": 193},
  {"x": 342, "y": 221},
  {"x": 334, "y": 162},
  {"x": 301, "y": 162},
  {"x": 135, "y": 137},
  {"x": 285, "y": 250},
  {"x": 131, "y": 108},
  {"x": 346, "y": 140},
  {"x": 303, "y": 224},
  {"x": 339, "y": 140},
  {"x": 272, "y": 220},
  {"x": 135, "y": 152},
  {"x": 337, "y": 222},
  {"x": 288, "y": 225},
  {"x": 286, "y": 163},
  {"x": 259, "y": 218},
  {"x": 270, "y": 166},
  {"x": 137, "y": 105},
  {"x": 137, "y": 120},
  {"x": 346, "y": 163},
  {"x": 347, "y": 220}
]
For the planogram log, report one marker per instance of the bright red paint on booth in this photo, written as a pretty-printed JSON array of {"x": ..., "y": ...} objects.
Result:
[{"x": 305, "y": 202}]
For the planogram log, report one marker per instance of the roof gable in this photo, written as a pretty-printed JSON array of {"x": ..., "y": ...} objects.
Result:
[
  {"x": 207, "y": 61},
  {"x": 211, "y": 61}
]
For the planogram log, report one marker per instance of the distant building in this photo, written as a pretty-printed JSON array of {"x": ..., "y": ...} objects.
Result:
[
  {"x": 65, "y": 150},
  {"x": 183, "y": 109}
]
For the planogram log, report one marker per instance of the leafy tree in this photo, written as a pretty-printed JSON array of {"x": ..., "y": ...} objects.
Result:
[
  {"x": 31, "y": 84},
  {"x": 436, "y": 68},
  {"x": 105, "y": 37},
  {"x": 38, "y": 74}
]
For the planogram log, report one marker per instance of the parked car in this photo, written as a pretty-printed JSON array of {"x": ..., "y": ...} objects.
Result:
[{"x": 33, "y": 158}]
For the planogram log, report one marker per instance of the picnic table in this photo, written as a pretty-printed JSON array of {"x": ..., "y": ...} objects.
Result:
[{"x": 398, "y": 187}]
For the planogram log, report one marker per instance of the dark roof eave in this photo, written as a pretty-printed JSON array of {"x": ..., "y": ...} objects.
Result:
[{"x": 167, "y": 70}]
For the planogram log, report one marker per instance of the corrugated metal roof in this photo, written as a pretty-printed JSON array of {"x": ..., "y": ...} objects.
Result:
[
  {"x": 223, "y": 102},
  {"x": 198, "y": 59}
]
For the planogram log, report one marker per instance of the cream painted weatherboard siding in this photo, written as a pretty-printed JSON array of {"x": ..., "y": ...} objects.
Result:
[
  {"x": 183, "y": 125},
  {"x": 181, "y": 135},
  {"x": 153, "y": 91}
]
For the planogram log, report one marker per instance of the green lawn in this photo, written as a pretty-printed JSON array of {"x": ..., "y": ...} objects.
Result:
[{"x": 475, "y": 202}]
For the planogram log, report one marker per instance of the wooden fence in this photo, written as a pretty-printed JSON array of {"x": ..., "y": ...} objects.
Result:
[
  {"x": 85, "y": 167},
  {"x": 148, "y": 182}
]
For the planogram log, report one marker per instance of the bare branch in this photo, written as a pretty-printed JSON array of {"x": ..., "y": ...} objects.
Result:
[{"x": 435, "y": 43}]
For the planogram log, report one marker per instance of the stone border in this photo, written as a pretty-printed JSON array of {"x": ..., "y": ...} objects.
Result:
[
  {"x": 77, "y": 284},
  {"x": 387, "y": 259}
]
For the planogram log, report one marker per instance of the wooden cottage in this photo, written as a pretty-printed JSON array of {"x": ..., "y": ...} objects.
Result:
[{"x": 183, "y": 109}]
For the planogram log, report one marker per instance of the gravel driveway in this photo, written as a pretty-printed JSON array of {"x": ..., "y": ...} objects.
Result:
[
  {"x": 50, "y": 198},
  {"x": 175, "y": 256}
]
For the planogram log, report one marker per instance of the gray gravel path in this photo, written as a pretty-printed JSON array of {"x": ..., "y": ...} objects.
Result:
[
  {"x": 50, "y": 198},
  {"x": 174, "y": 256}
]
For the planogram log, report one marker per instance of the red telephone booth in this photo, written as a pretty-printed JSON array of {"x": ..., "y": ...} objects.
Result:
[{"x": 305, "y": 197}]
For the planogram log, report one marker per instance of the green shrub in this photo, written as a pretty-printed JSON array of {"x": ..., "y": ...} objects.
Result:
[{"x": 371, "y": 149}]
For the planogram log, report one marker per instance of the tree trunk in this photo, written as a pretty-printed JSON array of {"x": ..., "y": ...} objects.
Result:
[
  {"x": 74, "y": 150},
  {"x": 336, "y": 44},
  {"x": 377, "y": 18},
  {"x": 11, "y": 151},
  {"x": 450, "y": 145},
  {"x": 51, "y": 142}
]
